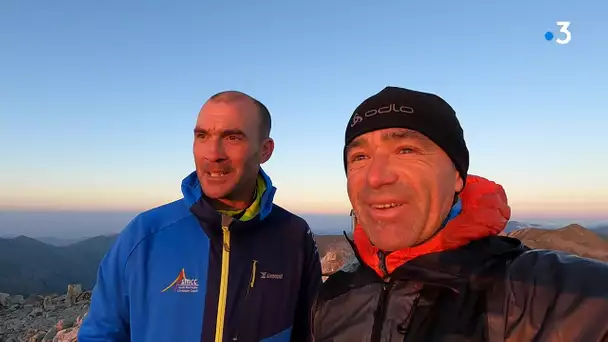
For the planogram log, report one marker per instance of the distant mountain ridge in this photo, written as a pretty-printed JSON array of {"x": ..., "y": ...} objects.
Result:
[
  {"x": 59, "y": 242},
  {"x": 29, "y": 266},
  {"x": 573, "y": 239},
  {"x": 515, "y": 225},
  {"x": 602, "y": 230}
]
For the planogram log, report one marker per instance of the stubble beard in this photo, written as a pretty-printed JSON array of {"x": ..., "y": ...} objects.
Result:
[{"x": 245, "y": 186}]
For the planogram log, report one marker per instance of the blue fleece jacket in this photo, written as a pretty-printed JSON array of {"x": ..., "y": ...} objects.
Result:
[{"x": 180, "y": 273}]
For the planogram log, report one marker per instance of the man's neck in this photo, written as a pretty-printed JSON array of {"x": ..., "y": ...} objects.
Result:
[
  {"x": 239, "y": 203},
  {"x": 229, "y": 204}
]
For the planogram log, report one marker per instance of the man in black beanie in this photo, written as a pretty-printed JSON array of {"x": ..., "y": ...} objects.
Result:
[
  {"x": 413, "y": 147},
  {"x": 430, "y": 265}
]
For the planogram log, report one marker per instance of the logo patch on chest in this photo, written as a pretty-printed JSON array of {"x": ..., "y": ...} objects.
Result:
[
  {"x": 268, "y": 275},
  {"x": 183, "y": 284}
]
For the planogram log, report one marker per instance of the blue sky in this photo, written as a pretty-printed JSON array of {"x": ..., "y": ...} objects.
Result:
[{"x": 99, "y": 98}]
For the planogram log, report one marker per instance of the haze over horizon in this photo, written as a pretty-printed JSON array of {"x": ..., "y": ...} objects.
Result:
[
  {"x": 100, "y": 98},
  {"x": 83, "y": 224}
]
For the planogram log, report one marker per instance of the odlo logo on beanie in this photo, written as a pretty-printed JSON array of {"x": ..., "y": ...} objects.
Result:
[{"x": 392, "y": 108}]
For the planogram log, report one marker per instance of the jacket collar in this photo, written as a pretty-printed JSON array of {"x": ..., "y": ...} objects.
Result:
[
  {"x": 193, "y": 197},
  {"x": 471, "y": 265}
]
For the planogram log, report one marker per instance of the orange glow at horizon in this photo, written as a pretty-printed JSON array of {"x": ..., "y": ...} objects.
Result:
[{"x": 548, "y": 210}]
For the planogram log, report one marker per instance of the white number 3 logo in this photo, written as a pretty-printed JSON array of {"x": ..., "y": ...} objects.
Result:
[{"x": 564, "y": 29}]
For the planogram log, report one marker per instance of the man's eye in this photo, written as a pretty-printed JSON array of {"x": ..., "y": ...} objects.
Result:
[
  {"x": 358, "y": 157},
  {"x": 406, "y": 150},
  {"x": 233, "y": 137}
]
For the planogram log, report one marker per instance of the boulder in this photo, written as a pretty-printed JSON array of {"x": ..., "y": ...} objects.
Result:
[
  {"x": 4, "y": 300},
  {"x": 74, "y": 290}
]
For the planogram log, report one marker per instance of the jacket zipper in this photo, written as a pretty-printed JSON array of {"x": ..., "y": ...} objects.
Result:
[
  {"x": 381, "y": 307},
  {"x": 221, "y": 303}
]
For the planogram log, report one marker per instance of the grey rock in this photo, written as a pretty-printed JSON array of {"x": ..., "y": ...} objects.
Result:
[
  {"x": 4, "y": 300},
  {"x": 37, "y": 319},
  {"x": 16, "y": 299},
  {"x": 36, "y": 312},
  {"x": 37, "y": 337},
  {"x": 33, "y": 301},
  {"x": 48, "y": 337},
  {"x": 74, "y": 290},
  {"x": 47, "y": 303}
]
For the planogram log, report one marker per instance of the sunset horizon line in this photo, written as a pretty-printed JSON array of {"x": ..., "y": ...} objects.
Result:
[{"x": 515, "y": 214}]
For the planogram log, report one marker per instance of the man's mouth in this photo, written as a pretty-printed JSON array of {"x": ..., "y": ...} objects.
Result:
[
  {"x": 385, "y": 211},
  {"x": 386, "y": 205},
  {"x": 216, "y": 174}
]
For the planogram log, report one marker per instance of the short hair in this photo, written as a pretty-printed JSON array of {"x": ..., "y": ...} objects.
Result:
[{"x": 263, "y": 112}]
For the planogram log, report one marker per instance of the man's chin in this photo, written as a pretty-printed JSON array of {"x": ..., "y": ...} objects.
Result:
[
  {"x": 386, "y": 246},
  {"x": 389, "y": 239},
  {"x": 214, "y": 192}
]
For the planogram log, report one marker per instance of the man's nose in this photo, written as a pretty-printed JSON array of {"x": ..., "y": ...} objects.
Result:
[
  {"x": 380, "y": 173},
  {"x": 215, "y": 150}
]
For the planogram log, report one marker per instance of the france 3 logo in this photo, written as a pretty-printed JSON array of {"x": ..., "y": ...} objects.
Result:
[{"x": 564, "y": 35}]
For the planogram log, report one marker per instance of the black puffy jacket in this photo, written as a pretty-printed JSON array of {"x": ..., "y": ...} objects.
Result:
[{"x": 492, "y": 289}]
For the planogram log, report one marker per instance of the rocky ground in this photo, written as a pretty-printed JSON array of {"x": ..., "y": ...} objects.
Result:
[{"x": 54, "y": 318}]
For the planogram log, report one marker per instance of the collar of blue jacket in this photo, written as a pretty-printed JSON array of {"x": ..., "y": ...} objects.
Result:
[{"x": 193, "y": 194}]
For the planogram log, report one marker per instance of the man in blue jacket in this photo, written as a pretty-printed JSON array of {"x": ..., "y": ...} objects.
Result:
[{"x": 221, "y": 264}]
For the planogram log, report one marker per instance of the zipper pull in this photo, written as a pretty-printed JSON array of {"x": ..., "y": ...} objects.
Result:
[
  {"x": 226, "y": 221},
  {"x": 382, "y": 263},
  {"x": 226, "y": 243}
]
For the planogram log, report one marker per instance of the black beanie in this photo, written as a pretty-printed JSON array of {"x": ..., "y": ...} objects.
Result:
[{"x": 425, "y": 113}]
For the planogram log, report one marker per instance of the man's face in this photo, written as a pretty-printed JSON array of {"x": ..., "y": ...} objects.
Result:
[
  {"x": 228, "y": 148},
  {"x": 401, "y": 186}
]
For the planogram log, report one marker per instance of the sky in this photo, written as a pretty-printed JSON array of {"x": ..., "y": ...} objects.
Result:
[{"x": 98, "y": 99}]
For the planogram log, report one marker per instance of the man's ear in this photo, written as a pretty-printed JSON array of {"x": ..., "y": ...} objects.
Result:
[
  {"x": 459, "y": 184},
  {"x": 267, "y": 149}
]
